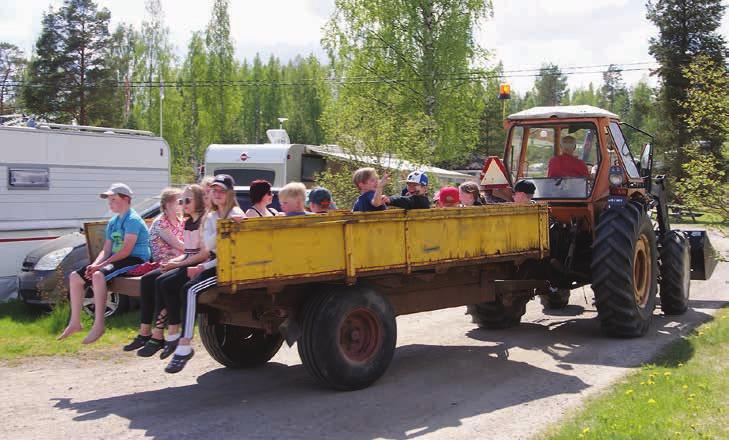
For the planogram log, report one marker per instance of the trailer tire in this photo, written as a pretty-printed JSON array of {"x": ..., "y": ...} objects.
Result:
[
  {"x": 348, "y": 337},
  {"x": 624, "y": 271},
  {"x": 236, "y": 346},
  {"x": 495, "y": 315},
  {"x": 675, "y": 273},
  {"x": 555, "y": 301}
]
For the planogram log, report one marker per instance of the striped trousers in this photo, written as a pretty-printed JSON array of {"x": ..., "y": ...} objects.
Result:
[{"x": 190, "y": 291}]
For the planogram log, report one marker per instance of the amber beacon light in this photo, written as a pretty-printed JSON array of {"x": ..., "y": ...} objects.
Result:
[{"x": 504, "y": 91}]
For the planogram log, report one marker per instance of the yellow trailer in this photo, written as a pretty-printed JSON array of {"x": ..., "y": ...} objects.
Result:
[{"x": 334, "y": 283}]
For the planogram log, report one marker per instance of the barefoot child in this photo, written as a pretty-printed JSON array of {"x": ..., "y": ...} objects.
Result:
[{"x": 125, "y": 247}]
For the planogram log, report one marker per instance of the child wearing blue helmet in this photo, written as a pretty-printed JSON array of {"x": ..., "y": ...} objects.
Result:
[{"x": 417, "y": 193}]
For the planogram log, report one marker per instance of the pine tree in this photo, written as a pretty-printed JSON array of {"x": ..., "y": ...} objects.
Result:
[
  {"x": 69, "y": 76},
  {"x": 686, "y": 28},
  {"x": 550, "y": 88}
]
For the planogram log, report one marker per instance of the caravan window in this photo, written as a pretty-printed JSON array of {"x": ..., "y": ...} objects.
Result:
[
  {"x": 28, "y": 178},
  {"x": 310, "y": 166},
  {"x": 244, "y": 176}
]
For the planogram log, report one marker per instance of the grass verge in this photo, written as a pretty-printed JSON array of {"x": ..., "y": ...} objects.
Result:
[
  {"x": 27, "y": 332},
  {"x": 683, "y": 394}
]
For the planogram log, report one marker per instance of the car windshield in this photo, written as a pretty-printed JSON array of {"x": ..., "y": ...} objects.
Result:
[{"x": 559, "y": 158}]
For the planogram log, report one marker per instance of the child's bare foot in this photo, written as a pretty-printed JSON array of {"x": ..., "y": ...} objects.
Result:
[
  {"x": 71, "y": 329},
  {"x": 93, "y": 335}
]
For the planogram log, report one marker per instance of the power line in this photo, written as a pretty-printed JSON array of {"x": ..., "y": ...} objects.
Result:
[{"x": 468, "y": 76}]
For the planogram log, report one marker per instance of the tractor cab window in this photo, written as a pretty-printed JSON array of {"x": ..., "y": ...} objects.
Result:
[
  {"x": 623, "y": 149},
  {"x": 561, "y": 159}
]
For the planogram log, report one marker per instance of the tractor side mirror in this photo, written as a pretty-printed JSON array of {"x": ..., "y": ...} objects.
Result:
[{"x": 646, "y": 160}]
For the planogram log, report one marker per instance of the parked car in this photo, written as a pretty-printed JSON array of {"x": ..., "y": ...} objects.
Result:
[{"x": 43, "y": 277}]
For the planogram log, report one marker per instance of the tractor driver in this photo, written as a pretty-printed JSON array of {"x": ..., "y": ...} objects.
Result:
[{"x": 566, "y": 164}]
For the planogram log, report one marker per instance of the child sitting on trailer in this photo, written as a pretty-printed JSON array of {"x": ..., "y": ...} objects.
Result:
[
  {"x": 292, "y": 197},
  {"x": 370, "y": 188}
]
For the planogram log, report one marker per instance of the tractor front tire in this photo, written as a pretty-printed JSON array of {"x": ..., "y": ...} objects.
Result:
[
  {"x": 348, "y": 337},
  {"x": 496, "y": 315},
  {"x": 675, "y": 273},
  {"x": 236, "y": 346},
  {"x": 624, "y": 271}
]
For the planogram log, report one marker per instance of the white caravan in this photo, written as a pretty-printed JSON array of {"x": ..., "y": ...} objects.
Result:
[
  {"x": 281, "y": 162},
  {"x": 52, "y": 175}
]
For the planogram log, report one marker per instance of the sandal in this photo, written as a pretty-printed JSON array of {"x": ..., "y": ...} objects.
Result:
[
  {"x": 178, "y": 362},
  {"x": 151, "y": 347},
  {"x": 170, "y": 347},
  {"x": 138, "y": 342}
]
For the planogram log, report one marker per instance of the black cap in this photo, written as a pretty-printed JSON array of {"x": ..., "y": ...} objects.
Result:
[
  {"x": 525, "y": 186},
  {"x": 224, "y": 180}
]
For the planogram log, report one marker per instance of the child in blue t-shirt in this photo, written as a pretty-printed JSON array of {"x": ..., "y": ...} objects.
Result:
[
  {"x": 126, "y": 245},
  {"x": 370, "y": 188}
]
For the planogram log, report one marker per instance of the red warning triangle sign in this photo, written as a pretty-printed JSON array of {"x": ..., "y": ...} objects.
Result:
[{"x": 494, "y": 175}]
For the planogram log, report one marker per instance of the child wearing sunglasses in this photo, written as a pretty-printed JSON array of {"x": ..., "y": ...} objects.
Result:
[{"x": 170, "y": 275}]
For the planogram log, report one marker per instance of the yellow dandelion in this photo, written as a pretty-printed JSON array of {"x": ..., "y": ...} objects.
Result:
[
  {"x": 701, "y": 333},
  {"x": 628, "y": 392},
  {"x": 667, "y": 373},
  {"x": 680, "y": 364},
  {"x": 586, "y": 430},
  {"x": 690, "y": 399},
  {"x": 685, "y": 387},
  {"x": 642, "y": 383},
  {"x": 692, "y": 395},
  {"x": 651, "y": 401},
  {"x": 650, "y": 382}
]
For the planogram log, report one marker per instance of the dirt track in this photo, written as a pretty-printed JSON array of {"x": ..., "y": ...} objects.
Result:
[{"x": 448, "y": 380}]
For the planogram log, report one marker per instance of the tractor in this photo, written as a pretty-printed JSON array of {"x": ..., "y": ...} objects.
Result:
[{"x": 609, "y": 223}]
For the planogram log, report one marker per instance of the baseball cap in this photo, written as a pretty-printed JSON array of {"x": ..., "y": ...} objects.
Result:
[
  {"x": 448, "y": 195},
  {"x": 224, "y": 180},
  {"x": 525, "y": 186},
  {"x": 418, "y": 177},
  {"x": 320, "y": 196},
  {"x": 117, "y": 188}
]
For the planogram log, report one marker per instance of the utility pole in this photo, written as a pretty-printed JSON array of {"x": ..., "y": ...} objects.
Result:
[{"x": 161, "y": 101}]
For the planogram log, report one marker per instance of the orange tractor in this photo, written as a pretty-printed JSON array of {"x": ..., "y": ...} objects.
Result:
[{"x": 609, "y": 225}]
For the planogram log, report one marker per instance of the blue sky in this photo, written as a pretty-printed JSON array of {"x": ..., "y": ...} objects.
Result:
[{"x": 522, "y": 33}]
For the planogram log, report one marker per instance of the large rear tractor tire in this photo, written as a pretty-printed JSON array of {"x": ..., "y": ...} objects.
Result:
[
  {"x": 235, "y": 346},
  {"x": 348, "y": 337},
  {"x": 624, "y": 271},
  {"x": 556, "y": 300},
  {"x": 675, "y": 273},
  {"x": 498, "y": 314}
]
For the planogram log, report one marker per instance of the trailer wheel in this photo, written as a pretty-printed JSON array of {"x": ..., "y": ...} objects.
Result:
[
  {"x": 624, "y": 268},
  {"x": 235, "y": 346},
  {"x": 348, "y": 337},
  {"x": 555, "y": 300},
  {"x": 496, "y": 314},
  {"x": 675, "y": 273}
]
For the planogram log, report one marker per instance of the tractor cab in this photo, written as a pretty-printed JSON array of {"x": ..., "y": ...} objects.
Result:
[{"x": 569, "y": 154}]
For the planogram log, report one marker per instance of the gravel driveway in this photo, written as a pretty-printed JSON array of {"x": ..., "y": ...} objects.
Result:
[{"x": 448, "y": 380}]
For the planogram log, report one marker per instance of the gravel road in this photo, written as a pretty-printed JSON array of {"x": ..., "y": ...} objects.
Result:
[{"x": 447, "y": 380}]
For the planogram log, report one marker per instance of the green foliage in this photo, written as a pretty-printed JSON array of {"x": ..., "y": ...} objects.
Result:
[
  {"x": 413, "y": 52},
  {"x": 220, "y": 70},
  {"x": 550, "y": 87},
  {"x": 12, "y": 64},
  {"x": 707, "y": 106},
  {"x": 704, "y": 184},
  {"x": 70, "y": 68},
  {"x": 686, "y": 29}
]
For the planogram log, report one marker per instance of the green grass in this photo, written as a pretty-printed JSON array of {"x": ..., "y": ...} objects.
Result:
[
  {"x": 683, "y": 394},
  {"x": 27, "y": 332}
]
